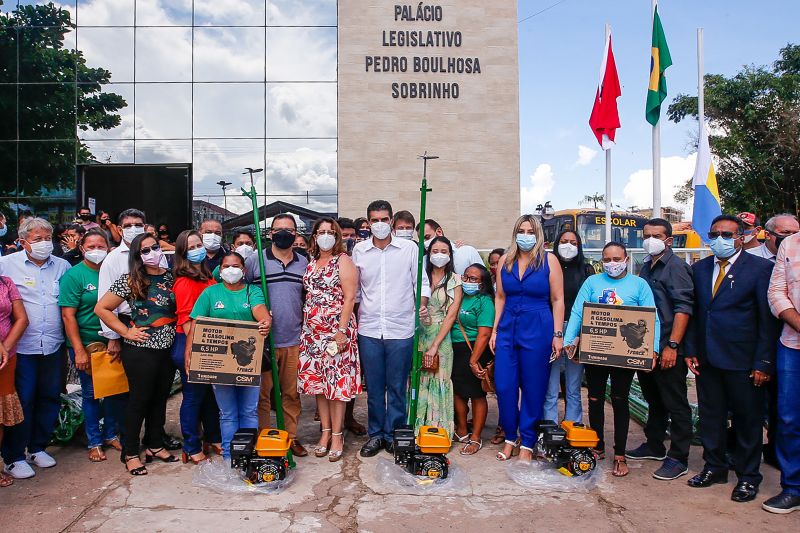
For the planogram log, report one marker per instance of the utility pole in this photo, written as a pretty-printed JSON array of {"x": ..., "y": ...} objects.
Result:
[{"x": 224, "y": 184}]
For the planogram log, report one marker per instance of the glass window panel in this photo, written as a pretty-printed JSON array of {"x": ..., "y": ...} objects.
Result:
[
  {"x": 125, "y": 129},
  {"x": 308, "y": 12},
  {"x": 8, "y": 60},
  {"x": 301, "y": 110},
  {"x": 8, "y": 110},
  {"x": 105, "y": 12},
  {"x": 8, "y": 6},
  {"x": 163, "y": 111},
  {"x": 229, "y": 110},
  {"x": 47, "y": 111},
  {"x": 109, "y": 151},
  {"x": 68, "y": 5},
  {"x": 39, "y": 60},
  {"x": 229, "y": 54},
  {"x": 46, "y": 167},
  {"x": 110, "y": 49},
  {"x": 302, "y": 172},
  {"x": 236, "y": 13},
  {"x": 301, "y": 54},
  {"x": 163, "y": 54},
  {"x": 217, "y": 159},
  {"x": 164, "y": 151},
  {"x": 164, "y": 12}
]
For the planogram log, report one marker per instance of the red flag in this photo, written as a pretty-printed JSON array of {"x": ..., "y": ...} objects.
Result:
[{"x": 604, "y": 120}]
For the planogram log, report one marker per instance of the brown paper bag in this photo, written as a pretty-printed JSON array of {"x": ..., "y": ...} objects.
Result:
[{"x": 108, "y": 377}]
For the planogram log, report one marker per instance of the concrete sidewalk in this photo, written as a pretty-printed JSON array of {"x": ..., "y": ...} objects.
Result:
[{"x": 348, "y": 496}]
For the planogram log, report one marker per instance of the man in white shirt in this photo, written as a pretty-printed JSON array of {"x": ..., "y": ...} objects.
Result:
[
  {"x": 387, "y": 267},
  {"x": 776, "y": 229},
  {"x": 463, "y": 255}
]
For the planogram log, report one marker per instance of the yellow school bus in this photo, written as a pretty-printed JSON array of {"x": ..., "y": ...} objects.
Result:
[
  {"x": 590, "y": 224},
  {"x": 686, "y": 238}
]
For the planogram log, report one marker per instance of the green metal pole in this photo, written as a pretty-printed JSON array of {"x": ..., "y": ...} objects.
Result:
[
  {"x": 276, "y": 384},
  {"x": 416, "y": 364}
]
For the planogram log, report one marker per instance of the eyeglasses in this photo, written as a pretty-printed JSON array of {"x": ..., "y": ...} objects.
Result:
[
  {"x": 724, "y": 234},
  {"x": 147, "y": 249},
  {"x": 326, "y": 232},
  {"x": 276, "y": 230},
  {"x": 469, "y": 279}
]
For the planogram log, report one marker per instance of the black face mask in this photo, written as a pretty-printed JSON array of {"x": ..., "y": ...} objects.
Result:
[
  {"x": 364, "y": 233},
  {"x": 779, "y": 240},
  {"x": 283, "y": 239},
  {"x": 85, "y": 216}
]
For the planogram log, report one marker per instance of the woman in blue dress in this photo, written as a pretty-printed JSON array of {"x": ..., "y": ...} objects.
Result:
[{"x": 527, "y": 334}]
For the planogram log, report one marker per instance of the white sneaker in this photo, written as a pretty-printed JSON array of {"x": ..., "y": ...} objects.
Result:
[
  {"x": 19, "y": 470},
  {"x": 42, "y": 459}
]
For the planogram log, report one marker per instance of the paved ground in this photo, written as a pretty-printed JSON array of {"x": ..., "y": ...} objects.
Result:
[{"x": 348, "y": 496}]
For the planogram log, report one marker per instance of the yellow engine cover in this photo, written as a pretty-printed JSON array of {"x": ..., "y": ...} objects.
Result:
[
  {"x": 272, "y": 443},
  {"x": 433, "y": 440},
  {"x": 580, "y": 436}
]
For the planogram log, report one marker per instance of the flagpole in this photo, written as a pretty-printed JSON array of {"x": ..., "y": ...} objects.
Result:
[
  {"x": 608, "y": 168},
  {"x": 656, "y": 151},
  {"x": 701, "y": 104}
]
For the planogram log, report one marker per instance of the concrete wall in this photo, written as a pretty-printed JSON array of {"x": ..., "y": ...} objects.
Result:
[{"x": 476, "y": 193}]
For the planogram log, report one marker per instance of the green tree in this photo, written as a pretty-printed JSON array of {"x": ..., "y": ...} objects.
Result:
[
  {"x": 47, "y": 94},
  {"x": 755, "y": 120},
  {"x": 593, "y": 199}
]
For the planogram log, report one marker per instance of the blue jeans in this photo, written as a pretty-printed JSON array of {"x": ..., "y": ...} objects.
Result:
[
  {"x": 197, "y": 406},
  {"x": 110, "y": 409},
  {"x": 238, "y": 408},
  {"x": 573, "y": 374},
  {"x": 38, "y": 383},
  {"x": 386, "y": 364},
  {"x": 788, "y": 444}
]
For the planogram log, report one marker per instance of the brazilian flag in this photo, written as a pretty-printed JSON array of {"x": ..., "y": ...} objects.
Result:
[{"x": 660, "y": 60}]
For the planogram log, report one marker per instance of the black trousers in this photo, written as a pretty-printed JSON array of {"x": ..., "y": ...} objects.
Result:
[
  {"x": 621, "y": 379},
  {"x": 150, "y": 374},
  {"x": 668, "y": 408},
  {"x": 722, "y": 391}
]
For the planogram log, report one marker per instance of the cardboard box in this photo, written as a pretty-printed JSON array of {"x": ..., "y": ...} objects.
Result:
[
  {"x": 226, "y": 352},
  {"x": 618, "y": 335}
]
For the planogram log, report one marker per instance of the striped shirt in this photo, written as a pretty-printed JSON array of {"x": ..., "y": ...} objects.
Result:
[
  {"x": 784, "y": 286},
  {"x": 285, "y": 286}
]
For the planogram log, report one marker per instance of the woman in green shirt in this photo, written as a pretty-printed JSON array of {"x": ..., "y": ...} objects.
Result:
[
  {"x": 77, "y": 298},
  {"x": 470, "y": 336},
  {"x": 233, "y": 300}
]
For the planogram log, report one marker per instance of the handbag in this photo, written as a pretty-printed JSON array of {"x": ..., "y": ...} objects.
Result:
[
  {"x": 430, "y": 364},
  {"x": 487, "y": 381}
]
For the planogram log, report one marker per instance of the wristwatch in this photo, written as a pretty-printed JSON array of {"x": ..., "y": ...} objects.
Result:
[
  {"x": 558, "y": 334},
  {"x": 343, "y": 331},
  {"x": 674, "y": 345}
]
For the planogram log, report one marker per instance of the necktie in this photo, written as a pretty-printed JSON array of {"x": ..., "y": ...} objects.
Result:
[{"x": 720, "y": 277}]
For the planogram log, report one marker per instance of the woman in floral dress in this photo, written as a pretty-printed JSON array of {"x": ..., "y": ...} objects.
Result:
[
  {"x": 435, "y": 407},
  {"x": 329, "y": 365}
]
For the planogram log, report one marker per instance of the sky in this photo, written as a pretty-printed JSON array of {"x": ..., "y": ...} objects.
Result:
[
  {"x": 560, "y": 49},
  {"x": 560, "y": 53}
]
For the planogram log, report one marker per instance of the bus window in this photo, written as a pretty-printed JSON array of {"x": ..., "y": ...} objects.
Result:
[
  {"x": 679, "y": 241},
  {"x": 556, "y": 225},
  {"x": 625, "y": 229}
]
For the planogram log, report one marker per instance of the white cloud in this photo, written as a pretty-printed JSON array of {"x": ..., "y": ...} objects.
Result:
[
  {"x": 675, "y": 172},
  {"x": 585, "y": 155},
  {"x": 541, "y": 186}
]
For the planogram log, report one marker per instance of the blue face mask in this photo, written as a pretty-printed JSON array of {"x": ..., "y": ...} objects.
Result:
[
  {"x": 3, "y": 231},
  {"x": 526, "y": 242},
  {"x": 722, "y": 248},
  {"x": 470, "y": 288},
  {"x": 197, "y": 255}
]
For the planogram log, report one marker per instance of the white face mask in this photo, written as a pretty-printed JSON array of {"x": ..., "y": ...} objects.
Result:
[
  {"x": 231, "y": 275},
  {"x": 615, "y": 269},
  {"x": 567, "y": 250},
  {"x": 653, "y": 246},
  {"x": 326, "y": 241},
  {"x": 128, "y": 234},
  {"x": 245, "y": 250},
  {"x": 404, "y": 234},
  {"x": 380, "y": 230},
  {"x": 439, "y": 260},
  {"x": 41, "y": 250},
  {"x": 749, "y": 238},
  {"x": 427, "y": 243},
  {"x": 212, "y": 241},
  {"x": 95, "y": 256}
]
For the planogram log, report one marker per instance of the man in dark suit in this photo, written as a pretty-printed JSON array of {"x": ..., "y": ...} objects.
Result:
[{"x": 731, "y": 350}]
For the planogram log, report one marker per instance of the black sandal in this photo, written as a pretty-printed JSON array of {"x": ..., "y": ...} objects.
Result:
[
  {"x": 148, "y": 457},
  {"x": 139, "y": 470}
]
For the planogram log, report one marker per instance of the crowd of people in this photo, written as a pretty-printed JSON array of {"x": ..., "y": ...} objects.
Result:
[{"x": 343, "y": 318}]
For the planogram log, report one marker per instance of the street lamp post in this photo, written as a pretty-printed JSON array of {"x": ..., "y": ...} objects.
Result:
[{"x": 224, "y": 184}]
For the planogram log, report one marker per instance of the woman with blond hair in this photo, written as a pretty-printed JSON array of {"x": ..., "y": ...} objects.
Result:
[{"x": 527, "y": 333}]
